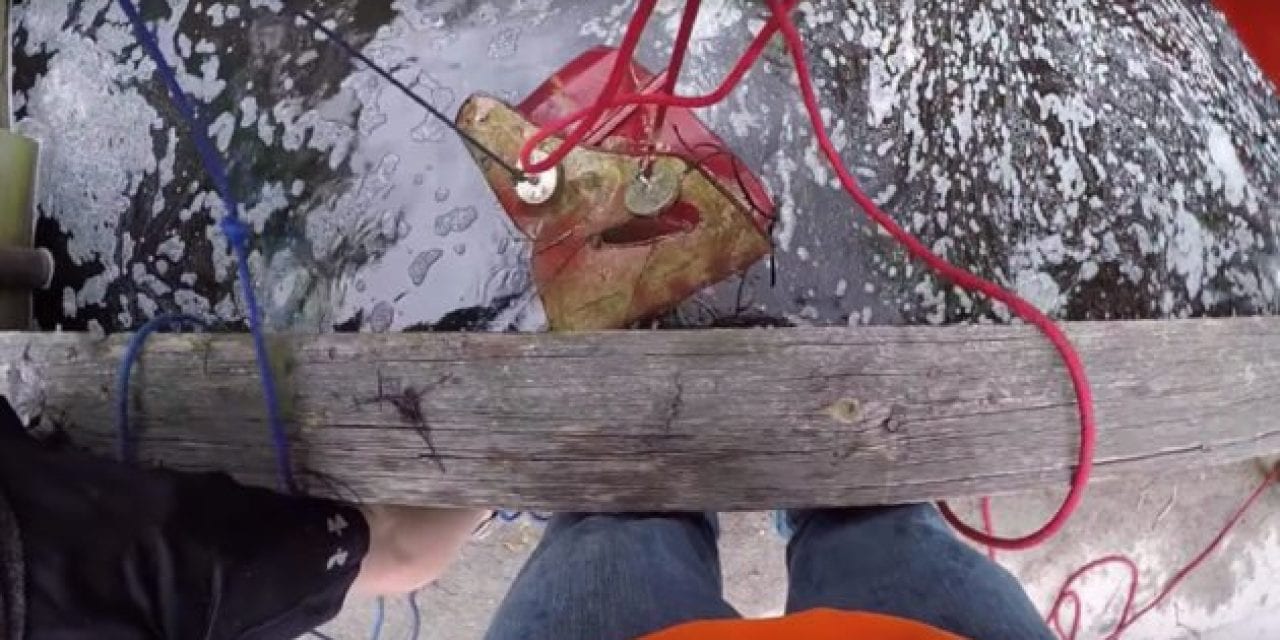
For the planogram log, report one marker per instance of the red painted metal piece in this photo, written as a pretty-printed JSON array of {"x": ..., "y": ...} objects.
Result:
[
  {"x": 595, "y": 264},
  {"x": 629, "y": 130}
]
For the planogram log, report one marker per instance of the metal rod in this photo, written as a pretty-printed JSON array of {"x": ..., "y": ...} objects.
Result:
[{"x": 23, "y": 269}]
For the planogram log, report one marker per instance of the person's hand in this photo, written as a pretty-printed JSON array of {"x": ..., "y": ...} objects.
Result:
[{"x": 410, "y": 547}]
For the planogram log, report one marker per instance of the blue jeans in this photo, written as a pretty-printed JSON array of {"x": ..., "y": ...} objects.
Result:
[{"x": 622, "y": 576}]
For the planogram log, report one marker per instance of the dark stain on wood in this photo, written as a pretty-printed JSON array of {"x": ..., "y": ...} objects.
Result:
[{"x": 407, "y": 402}]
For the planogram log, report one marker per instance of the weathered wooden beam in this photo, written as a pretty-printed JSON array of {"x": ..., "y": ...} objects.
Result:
[{"x": 681, "y": 420}]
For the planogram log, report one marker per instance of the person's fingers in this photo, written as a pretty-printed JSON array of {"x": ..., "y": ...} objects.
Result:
[{"x": 411, "y": 547}]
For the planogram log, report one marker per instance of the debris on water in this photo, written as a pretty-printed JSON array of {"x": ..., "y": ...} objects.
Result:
[
  {"x": 381, "y": 317},
  {"x": 422, "y": 263},
  {"x": 456, "y": 220}
]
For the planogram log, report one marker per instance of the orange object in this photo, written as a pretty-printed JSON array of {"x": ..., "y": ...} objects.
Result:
[
  {"x": 1258, "y": 23},
  {"x": 816, "y": 624}
]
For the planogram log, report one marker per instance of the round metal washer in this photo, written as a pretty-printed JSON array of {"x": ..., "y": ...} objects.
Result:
[
  {"x": 540, "y": 188},
  {"x": 650, "y": 196}
]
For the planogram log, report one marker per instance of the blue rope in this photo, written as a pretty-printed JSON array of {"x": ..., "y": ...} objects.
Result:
[
  {"x": 237, "y": 236},
  {"x": 417, "y": 615},
  {"x": 379, "y": 616},
  {"x": 124, "y": 435},
  {"x": 512, "y": 516}
]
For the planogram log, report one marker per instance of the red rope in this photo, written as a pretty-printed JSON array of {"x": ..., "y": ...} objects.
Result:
[
  {"x": 678, "y": 52},
  {"x": 591, "y": 115},
  {"x": 611, "y": 98},
  {"x": 608, "y": 100},
  {"x": 781, "y": 22},
  {"x": 1128, "y": 616},
  {"x": 988, "y": 523},
  {"x": 969, "y": 282}
]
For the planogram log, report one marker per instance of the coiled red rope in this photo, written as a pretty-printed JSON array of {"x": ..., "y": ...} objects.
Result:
[{"x": 1128, "y": 616}]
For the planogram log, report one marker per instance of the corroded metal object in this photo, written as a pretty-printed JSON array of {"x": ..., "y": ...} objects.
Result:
[
  {"x": 540, "y": 188},
  {"x": 596, "y": 265},
  {"x": 638, "y": 129},
  {"x": 652, "y": 192},
  {"x": 23, "y": 269}
]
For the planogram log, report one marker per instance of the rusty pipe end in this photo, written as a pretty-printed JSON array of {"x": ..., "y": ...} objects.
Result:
[{"x": 25, "y": 269}]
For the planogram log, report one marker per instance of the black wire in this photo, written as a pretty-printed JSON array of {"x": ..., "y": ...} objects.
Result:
[
  {"x": 319, "y": 635},
  {"x": 717, "y": 150},
  {"x": 516, "y": 174}
]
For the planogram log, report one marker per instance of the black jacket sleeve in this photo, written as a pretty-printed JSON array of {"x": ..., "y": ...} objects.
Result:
[{"x": 110, "y": 551}]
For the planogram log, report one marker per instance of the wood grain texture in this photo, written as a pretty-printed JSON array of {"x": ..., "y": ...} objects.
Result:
[{"x": 731, "y": 419}]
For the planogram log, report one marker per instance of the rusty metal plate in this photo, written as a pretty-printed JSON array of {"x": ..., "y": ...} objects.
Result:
[{"x": 597, "y": 266}]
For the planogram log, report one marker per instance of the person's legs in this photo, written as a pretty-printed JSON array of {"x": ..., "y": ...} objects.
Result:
[
  {"x": 904, "y": 561},
  {"x": 617, "y": 576}
]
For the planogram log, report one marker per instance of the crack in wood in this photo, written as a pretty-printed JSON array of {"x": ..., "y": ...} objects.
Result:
[
  {"x": 676, "y": 404},
  {"x": 207, "y": 349},
  {"x": 892, "y": 423}
]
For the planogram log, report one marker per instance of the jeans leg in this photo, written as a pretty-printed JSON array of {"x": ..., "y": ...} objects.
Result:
[
  {"x": 616, "y": 576},
  {"x": 904, "y": 561}
]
